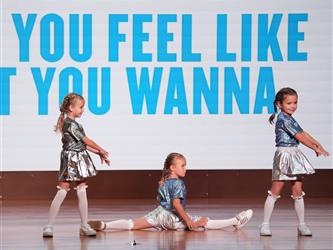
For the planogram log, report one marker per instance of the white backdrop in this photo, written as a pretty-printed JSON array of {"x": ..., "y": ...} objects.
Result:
[{"x": 209, "y": 141}]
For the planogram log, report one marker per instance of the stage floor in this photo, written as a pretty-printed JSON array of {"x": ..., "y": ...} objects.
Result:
[{"x": 22, "y": 222}]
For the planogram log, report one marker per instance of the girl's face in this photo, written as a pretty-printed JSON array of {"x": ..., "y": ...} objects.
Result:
[
  {"x": 289, "y": 104},
  {"x": 178, "y": 169},
  {"x": 77, "y": 108}
]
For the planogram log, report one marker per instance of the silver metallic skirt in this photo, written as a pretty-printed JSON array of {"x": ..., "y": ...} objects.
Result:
[
  {"x": 163, "y": 219},
  {"x": 290, "y": 164},
  {"x": 76, "y": 166}
]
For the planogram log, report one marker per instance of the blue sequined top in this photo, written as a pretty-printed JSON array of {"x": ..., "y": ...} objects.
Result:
[
  {"x": 170, "y": 190},
  {"x": 286, "y": 128}
]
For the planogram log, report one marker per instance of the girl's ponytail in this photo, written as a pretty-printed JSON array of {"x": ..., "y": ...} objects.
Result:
[
  {"x": 60, "y": 123},
  {"x": 272, "y": 117}
]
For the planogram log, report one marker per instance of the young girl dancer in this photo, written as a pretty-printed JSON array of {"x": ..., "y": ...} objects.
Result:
[
  {"x": 76, "y": 164},
  {"x": 170, "y": 214},
  {"x": 290, "y": 164}
]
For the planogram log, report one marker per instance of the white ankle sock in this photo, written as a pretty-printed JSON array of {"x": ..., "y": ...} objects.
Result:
[
  {"x": 269, "y": 206},
  {"x": 55, "y": 205},
  {"x": 218, "y": 224},
  {"x": 83, "y": 204},
  {"x": 119, "y": 225},
  {"x": 299, "y": 208}
]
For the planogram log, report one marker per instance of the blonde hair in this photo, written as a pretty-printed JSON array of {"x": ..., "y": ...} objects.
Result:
[
  {"x": 169, "y": 160},
  {"x": 64, "y": 109}
]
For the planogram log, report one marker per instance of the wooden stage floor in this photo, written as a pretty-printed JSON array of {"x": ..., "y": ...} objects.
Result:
[{"x": 22, "y": 222}]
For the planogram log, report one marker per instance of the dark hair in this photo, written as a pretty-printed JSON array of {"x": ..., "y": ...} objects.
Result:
[
  {"x": 279, "y": 97},
  {"x": 64, "y": 109},
  {"x": 169, "y": 160}
]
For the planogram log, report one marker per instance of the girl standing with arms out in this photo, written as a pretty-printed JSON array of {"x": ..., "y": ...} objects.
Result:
[
  {"x": 170, "y": 214},
  {"x": 290, "y": 164},
  {"x": 76, "y": 164}
]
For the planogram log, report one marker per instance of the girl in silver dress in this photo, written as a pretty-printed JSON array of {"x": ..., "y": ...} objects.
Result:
[
  {"x": 289, "y": 164},
  {"x": 75, "y": 162},
  {"x": 170, "y": 214}
]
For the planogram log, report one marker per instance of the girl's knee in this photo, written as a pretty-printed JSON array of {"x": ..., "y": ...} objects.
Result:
[
  {"x": 64, "y": 186},
  {"x": 298, "y": 195},
  {"x": 277, "y": 187},
  {"x": 81, "y": 186},
  {"x": 274, "y": 195}
]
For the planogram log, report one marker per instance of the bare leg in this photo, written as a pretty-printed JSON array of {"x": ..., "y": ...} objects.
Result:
[
  {"x": 277, "y": 187},
  {"x": 296, "y": 188}
]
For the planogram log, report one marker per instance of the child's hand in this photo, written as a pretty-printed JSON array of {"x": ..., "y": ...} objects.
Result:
[
  {"x": 321, "y": 151},
  {"x": 104, "y": 159},
  {"x": 190, "y": 224},
  {"x": 107, "y": 161},
  {"x": 201, "y": 222},
  {"x": 104, "y": 152}
]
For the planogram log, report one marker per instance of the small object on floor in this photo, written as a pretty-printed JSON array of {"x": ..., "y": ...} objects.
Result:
[{"x": 133, "y": 243}]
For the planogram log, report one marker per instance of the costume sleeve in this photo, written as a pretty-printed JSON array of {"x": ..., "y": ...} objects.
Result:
[
  {"x": 76, "y": 131},
  {"x": 178, "y": 190},
  {"x": 291, "y": 126}
]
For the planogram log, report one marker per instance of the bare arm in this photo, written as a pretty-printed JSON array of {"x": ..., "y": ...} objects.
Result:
[
  {"x": 94, "y": 146},
  {"x": 92, "y": 149},
  {"x": 103, "y": 158},
  {"x": 188, "y": 221},
  {"x": 310, "y": 142},
  {"x": 311, "y": 138},
  {"x": 183, "y": 215}
]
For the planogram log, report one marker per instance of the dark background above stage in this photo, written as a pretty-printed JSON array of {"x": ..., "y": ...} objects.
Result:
[{"x": 143, "y": 184}]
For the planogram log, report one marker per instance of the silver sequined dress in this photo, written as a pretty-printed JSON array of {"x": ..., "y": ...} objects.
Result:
[
  {"x": 289, "y": 162},
  {"x": 75, "y": 161}
]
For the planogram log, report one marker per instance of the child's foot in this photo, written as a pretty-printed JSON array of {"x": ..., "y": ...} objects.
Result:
[
  {"x": 303, "y": 230},
  {"x": 98, "y": 225},
  {"x": 243, "y": 218},
  {"x": 265, "y": 230},
  {"x": 86, "y": 230},
  {"x": 48, "y": 231}
]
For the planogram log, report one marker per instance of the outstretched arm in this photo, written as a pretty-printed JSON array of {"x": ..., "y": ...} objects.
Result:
[
  {"x": 94, "y": 146},
  {"x": 91, "y": 149},
  {"x": 103, "y": 158},
  {"x": 310, "y": 142}
]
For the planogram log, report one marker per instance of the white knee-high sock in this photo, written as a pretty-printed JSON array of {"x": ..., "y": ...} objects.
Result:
[
  {"x": 219, "y": 224},
  {"x": 119, "y": 225},
  {"x": 299, "y": 208},
  {"x": 269, "y": 206},
  {"x": 83, "y": 204},
  {"x": 55, "y": 205}
]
